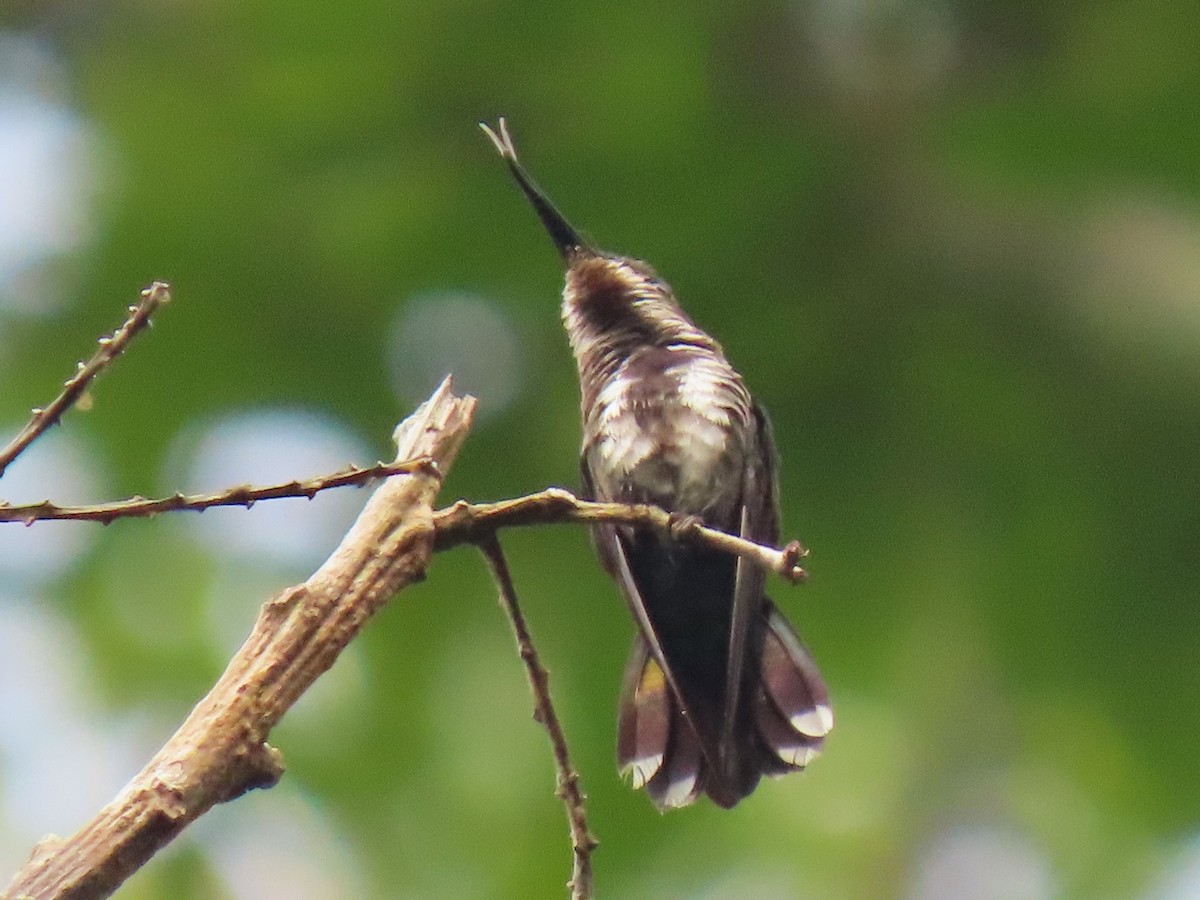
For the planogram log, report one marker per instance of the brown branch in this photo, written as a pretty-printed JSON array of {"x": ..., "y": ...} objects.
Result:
[
  {"x": 569, "y": 789},
  {"x": 242, "y": 495},
  {"x": 474, "y": 522},
  {"x": 461, "y": 523},
  {"x": 110, "y": 348},
  {"x": 220, "y": 751}
]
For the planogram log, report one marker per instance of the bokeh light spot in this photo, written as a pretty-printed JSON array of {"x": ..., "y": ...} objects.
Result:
[
  {"x": 58, "y": 467},
  {"x": 46, "y": 173},
  {"x": 983, "y": 863},
  {"x": 264, "y": 447},
  {"x": 279, "y": 847},
  {"x": 463, "y": 335}
]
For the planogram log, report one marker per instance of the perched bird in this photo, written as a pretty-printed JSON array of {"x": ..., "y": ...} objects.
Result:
[{"x": 718, "y": 690}]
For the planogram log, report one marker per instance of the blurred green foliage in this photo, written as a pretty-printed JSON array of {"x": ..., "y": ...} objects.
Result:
[{"x": 955, "y": 249}]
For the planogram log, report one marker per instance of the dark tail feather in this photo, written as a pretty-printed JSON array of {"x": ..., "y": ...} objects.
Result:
[
  {"x": 644, "y": 717},
  {"x": 681, "y": 778},
  {"x": 785, "y": 713},
  {"x": 792, "y": 711},
  {"x": 656, "y": 746}
]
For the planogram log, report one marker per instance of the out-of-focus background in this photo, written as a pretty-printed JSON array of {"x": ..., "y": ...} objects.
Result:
[{"x": 955, "y": 249}]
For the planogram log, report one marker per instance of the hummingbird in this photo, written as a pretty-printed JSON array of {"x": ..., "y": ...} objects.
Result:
[{"x": 718, "y": 690}]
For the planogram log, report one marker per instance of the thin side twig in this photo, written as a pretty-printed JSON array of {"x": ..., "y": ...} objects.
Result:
[
  {"x": 242, "y": 495},
  {"x": 110, "y": 348},
  {"x": 569, "y": 789},
  {"x": 221, "y": 749},
  {"x": 474, "y": 522}
]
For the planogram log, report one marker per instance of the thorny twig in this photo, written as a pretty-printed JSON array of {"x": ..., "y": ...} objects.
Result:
[
  {"x": 110, "y": 348},
  {"x": 242, "y": 495},
  {"x": 569, "y": 790}
]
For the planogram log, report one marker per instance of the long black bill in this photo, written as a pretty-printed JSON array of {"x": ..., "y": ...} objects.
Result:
[{"x": 565, "y": 238}]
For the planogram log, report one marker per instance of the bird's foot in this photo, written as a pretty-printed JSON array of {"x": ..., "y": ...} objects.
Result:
[{"x": 683, "y": 525}]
